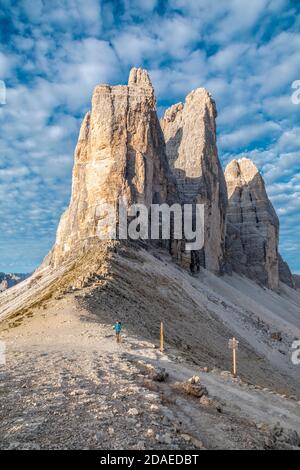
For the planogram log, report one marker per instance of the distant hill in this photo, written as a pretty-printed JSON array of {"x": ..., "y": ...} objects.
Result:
[{"x": 11, "y": 279}]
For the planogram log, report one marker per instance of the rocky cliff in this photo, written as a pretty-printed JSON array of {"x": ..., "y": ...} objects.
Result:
[
  {"x": 285, "y": 274},
  {"x": 190, "y": 134},
  {"x": 120, "y": 153},
  {"x": 124, "y": 151},
  {"x": 252, "y": 225}
]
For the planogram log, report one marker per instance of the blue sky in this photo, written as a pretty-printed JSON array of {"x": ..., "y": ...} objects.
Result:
[{"x": 52, "y": 54}]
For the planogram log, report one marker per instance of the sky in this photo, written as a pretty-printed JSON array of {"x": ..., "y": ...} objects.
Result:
[{"x": 52, "y": 54}]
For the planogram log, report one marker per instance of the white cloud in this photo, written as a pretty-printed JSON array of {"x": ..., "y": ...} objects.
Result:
[
  {"x": 245, "y": 53},
  {"x": 249, "y": 133},
  {"x": 7, "y": 63}
]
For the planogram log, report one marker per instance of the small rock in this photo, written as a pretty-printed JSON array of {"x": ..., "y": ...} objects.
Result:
[
  {"x": 139, "y": 446},
  {"x": 197, "y": 443},
  {"x": 99, "y": 436},
  {"x": 166, "y": 439},
  {"x": 276, "y": 336},
  {"x": 225, "y": 373},
  {"x": 150, "y": 433},
  {"x": 205, "y": 401},
  {"x": 165, "y": 420},
  {"x": 133, "y": 412},
  {"x": 195, "y": 379},
  {"x": 154, "y": 408},
  {"x": 194, "y": 389}
]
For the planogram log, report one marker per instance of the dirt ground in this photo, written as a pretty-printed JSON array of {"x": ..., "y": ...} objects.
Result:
[{"x": 68, "y": 385}]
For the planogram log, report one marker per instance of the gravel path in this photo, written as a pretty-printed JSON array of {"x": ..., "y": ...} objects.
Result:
[{"x": 66, "y": 384}]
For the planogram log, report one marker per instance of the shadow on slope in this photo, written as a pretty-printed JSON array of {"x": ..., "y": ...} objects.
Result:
[
  {"x": 145, "y": 287},
  {"x": 142, "y": 286}
]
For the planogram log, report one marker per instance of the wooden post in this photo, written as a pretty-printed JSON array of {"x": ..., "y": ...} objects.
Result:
[
  {"x": 234, "y": 360},
  {"x": 233, "y": 344},
  {"x": 161, "y": 337}
]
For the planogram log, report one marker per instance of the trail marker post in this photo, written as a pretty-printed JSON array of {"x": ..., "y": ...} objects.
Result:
[
  {"x": 233, "y": 344},
  {"x": 161, "y": 337}
]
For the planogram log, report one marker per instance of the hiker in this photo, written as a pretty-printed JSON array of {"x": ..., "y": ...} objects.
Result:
[{"x": 118, "y": 328}]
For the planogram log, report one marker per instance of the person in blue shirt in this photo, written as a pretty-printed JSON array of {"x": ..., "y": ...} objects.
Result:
[{"x": 118, "y": 327}]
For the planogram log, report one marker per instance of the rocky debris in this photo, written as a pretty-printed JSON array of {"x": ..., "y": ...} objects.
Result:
[
  {"x": 154, "y": 408},
  {"x": 192, "y": 387},
  {"x": 285, "y": 274},
  {"x": 205, "y": 401},
  {"x": 151, "y": 372},
  {"x": 150, "y": 433},
  {"x": 23, "y": 446},
  {"x": 158, "y": 374},
  {"x": 190, "y": 134},
  {"x": 133, "y": 412},
  {"x": 196, "y": 442},
  {"x": 95, "y": 394},
  {"x": 164, "y": 439},
  {"x": 86, "y": 401},
  {"x": 194, "y": 380},
  {"x": 226, "y": 374},
  {"x": 280, "y": 438},
  {"x": 276, "y": 336},
  {"x": 252, "y": 225}
]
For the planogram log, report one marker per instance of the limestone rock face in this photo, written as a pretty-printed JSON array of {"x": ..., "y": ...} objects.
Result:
[
  {"x": 285, "y": 274},
  {"x": 252, "y": 225},
  {"x": 120, "y": 152},
  {"x": 190, "y": 135},
  {"x": 123, "y": 151}
]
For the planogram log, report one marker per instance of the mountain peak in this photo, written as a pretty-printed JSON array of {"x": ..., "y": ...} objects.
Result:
[{"x": 139, "y": 77}]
